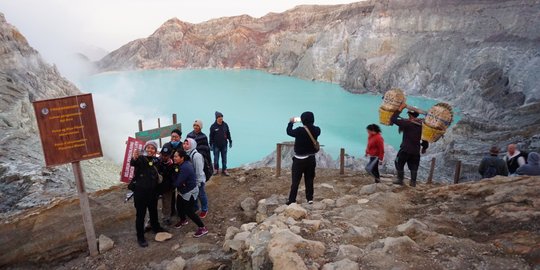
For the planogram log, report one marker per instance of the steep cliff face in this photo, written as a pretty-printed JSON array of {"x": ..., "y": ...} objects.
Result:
[
  {"x": 482, "y": 56},
  {"x": 24, "y": 76}
]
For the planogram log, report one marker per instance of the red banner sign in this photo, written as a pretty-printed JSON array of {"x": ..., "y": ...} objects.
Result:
[{"x": 127, "y": 170}]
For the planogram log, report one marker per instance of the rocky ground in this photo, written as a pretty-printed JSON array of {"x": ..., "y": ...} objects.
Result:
[{"x": 353, "y": 224}]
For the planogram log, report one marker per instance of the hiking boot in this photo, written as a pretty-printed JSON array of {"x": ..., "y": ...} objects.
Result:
[
  {"x": 289, "y": 203},
  {"x": 226, "y": 173},
  {"x": 377, "y": 180},
  {"x": 181, "y": 224},
  {"x": 142, "y": 242},
  {"x": 414, "y": 175},
  {"x": 399, "y": 180},
  {"x": 201, "y": 232},
  {"x": 203, "y": 214}
]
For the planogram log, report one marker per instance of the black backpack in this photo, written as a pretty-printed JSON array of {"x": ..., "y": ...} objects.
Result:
[
  {"x": 491, "y": 170},
  {"x": 208, "y": 167}
]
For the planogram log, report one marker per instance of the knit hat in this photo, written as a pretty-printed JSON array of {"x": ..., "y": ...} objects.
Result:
[
  {"x": 494, "y": 150},
  {"x": 152, "y": 143},
  {"x": 308, "y": 118},
  {"x": 218, "y": 115},
  {"x": 198, "y": 123}
]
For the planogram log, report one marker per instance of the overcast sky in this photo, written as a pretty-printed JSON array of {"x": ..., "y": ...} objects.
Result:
[{"x": 58, "y": 26}]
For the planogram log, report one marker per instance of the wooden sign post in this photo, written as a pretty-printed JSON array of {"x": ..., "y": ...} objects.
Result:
[{"x": 69, "y": 134}]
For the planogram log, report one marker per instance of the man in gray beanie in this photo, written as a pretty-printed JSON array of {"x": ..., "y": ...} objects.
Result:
[{"x": 220, "y": 138}]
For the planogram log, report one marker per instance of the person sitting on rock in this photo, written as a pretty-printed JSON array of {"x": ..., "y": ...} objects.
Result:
[
  {"x": 374, "y": 151},
  {"x": 409, "y": 150},
  {"x": 304, "y": 162},
  {"x": 185, "y": 181},
  {"x": 514, "y": 159},
  {"x": 145, "y": 193},
  {"x": 532, "y": 167},
  {"x": 492, "y": 165}
]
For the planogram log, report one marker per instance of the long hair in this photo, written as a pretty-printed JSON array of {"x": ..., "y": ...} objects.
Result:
[{"x": 374, "y": 128}]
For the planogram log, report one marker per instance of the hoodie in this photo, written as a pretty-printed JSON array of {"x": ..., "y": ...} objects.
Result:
[
  {"x": 197, "y": 160},
  {"x": 532, "y": 167},
  {"x": 303, "y": 145}
]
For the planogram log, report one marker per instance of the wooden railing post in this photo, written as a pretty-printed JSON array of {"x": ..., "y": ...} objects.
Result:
[
  {"x": 140, "y": 125},
  {"x": 457, "y": 173},
  {"x": 431, "y": 170},
  {"x": 159, "y": 125},
  {"x": 278, "y": 160},
  {"x": 342, "y": 161},
  {"x": 174, "y": 121}
]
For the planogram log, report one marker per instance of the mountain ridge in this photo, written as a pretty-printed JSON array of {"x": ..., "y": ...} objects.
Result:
[{"x": 479, "y": 56}]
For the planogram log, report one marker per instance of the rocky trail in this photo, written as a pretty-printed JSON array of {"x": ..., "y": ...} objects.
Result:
[{"x": 353, "y": 224}]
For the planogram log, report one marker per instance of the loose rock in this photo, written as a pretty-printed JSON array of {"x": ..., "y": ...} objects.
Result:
[{"x": 105, "y": 243}]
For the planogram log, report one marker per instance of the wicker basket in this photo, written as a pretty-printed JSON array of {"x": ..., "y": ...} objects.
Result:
[
  {"x": 384, "y": 116},
  {"x": 440, "y": 116},
  {"x": 431, "y": 134},
  {"x": 393, "y": 98}
]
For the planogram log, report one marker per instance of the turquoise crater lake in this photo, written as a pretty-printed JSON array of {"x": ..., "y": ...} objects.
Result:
[{"x": 255, "y": 104}]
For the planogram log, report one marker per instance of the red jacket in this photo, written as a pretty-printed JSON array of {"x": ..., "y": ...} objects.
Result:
[{"x": 375, "y": 147}]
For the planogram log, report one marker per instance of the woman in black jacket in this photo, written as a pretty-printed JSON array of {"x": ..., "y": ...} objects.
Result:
[
  {"x": 304, "y": 155},
  {"x": 145, "y": 192}
]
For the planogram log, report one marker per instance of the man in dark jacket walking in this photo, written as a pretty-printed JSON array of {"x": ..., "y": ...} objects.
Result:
[
  {"x": 492, "y": 165},
  {"x": 304, "y": 155},
  {"x": 220, "y": 137},
  {"x": 409, "y": 150}
]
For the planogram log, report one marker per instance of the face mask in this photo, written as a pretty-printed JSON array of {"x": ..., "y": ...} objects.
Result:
[{"x": 175, "y": 144}]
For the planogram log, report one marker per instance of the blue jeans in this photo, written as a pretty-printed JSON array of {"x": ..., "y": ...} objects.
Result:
[
  {"x": 203, "y": 198},
  {"x": 223, "y": 151}
]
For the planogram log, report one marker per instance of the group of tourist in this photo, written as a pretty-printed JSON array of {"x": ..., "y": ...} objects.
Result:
[
  {"x": 514, "y": 162},
  {"x": 183, "y": 167},
  {"x": 179, "y": 176}
]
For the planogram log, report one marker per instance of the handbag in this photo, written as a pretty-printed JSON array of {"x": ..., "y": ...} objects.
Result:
[{"x": 315, "y": 142}]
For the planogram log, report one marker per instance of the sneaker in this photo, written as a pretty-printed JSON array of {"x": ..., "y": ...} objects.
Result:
[
  {"x": 142, "y": 243},
  {"x": 181, "y": 224},
  {"x": 203, "y": 214},
  {"x": 377, "y": 180},
  {"x": 289, "y": 203},
  {"x": 226, "y": 173},
  {"x": 310, "y": 202},
  {"x": 201, "y": 232},
  {"x": 216, "y": 171}
]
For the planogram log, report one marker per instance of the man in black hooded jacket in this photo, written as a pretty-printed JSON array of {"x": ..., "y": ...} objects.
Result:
[{"x": 304, "y": 155}]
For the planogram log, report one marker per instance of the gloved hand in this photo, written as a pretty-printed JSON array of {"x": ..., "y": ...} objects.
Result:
[{"x": 230, "y": 144}]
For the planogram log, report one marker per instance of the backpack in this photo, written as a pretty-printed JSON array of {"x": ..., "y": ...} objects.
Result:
[
  {"x": 491, "y": 171},
  {"x": 208, "y": 168}
]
